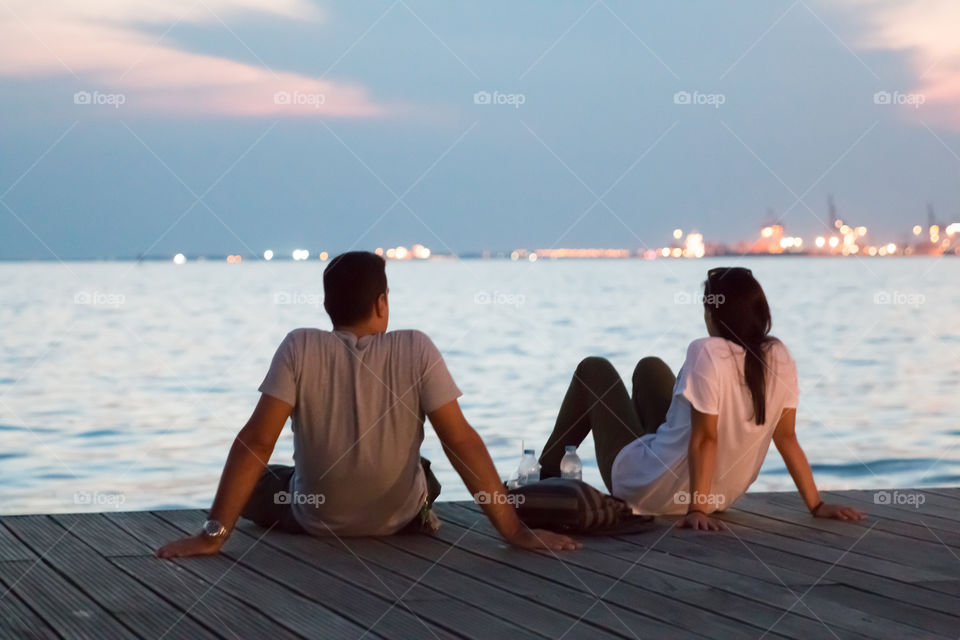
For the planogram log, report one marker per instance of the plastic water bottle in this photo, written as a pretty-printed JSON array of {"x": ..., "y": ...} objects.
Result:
[
  {"x": 570, "y": 465},
  {"x": 529, "y": 471}
]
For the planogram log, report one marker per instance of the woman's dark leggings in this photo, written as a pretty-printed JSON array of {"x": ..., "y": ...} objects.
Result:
[{"x": 597, "y": 401}]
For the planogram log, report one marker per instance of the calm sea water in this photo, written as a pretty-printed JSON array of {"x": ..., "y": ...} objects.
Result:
[{"x": 123, "y": 385}]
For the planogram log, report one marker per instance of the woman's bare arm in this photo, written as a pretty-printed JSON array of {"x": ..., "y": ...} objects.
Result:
[
  {"x": 785, "y": 439},
  {"x": 702, "y": 459}
]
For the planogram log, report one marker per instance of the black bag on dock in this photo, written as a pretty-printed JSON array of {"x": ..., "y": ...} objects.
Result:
[{"x": 573, "y": 506}]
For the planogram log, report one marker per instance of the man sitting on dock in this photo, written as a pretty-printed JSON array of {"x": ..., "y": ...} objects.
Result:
[{"x": 358, "y": 397}]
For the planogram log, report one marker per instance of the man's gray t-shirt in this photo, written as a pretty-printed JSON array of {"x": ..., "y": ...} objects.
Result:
[{"x": 358, "y": 411}]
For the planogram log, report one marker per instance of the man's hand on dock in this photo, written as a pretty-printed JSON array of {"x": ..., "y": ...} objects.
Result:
[
  {"x": 199, "y": 545},
  {"x": 542, "y": 540}
]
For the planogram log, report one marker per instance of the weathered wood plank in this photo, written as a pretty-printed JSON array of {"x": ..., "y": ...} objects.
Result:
[
  {"x": 270, "y": 599},
  {"x": 756, "y": 604},
  {"x": 17, "y": 620},
  {"x": 691, "y": 605},
  {"x": 919, "y": 523},
  {"x": 101, "y": 534},
  {"x": 435, "y": 575},
  {"x": 947, "y": 492},
  {"x": 858, "y": 539},
  {"x": 761, "y": 532},
  {"x": 778, "y": 567},
  {"x": 377, "y": 612},
  {"x": 11, "y": 548},
  {"x": 127, "y": 600},
  {"x": 776, "y": 572},
  {"x": 183, "y": 589},
  {"x": 566, "y": 599},
  {"x": 64, "y": 607}
]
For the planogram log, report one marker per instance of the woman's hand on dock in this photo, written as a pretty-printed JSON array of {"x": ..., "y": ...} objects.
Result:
[
  {"x": 700, "y": 521},
  {"x": 199, "y": 545},
  {"x": 542, "y": 540},
  {"x": 839, "y": 512}
]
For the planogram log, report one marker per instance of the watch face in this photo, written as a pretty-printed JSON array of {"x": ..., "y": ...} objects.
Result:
[{"x": 212, "y": 528}]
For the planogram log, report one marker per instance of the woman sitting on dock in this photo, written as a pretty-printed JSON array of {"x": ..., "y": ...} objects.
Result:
[{"x": 693, "y": 445}]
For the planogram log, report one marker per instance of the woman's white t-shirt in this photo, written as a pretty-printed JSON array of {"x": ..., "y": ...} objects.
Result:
[{"x": 651, "y": 473}]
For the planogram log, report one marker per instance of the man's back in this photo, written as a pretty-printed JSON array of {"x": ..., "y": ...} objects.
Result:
[{"x": 358, "y": 411}]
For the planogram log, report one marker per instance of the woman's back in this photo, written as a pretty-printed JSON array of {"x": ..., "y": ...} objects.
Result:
[{"x": 652, "y": 473}]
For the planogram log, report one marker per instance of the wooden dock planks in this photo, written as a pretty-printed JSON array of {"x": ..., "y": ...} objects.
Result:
[{"x": 776, "y": 573}]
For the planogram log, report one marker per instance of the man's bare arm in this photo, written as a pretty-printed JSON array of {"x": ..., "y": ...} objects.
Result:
[
  {"x": 248, "y": 456},
  {"x": 470, "y": 458}
]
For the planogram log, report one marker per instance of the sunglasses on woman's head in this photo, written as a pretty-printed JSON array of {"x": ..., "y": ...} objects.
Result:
[{"x": 719, "y": 272}]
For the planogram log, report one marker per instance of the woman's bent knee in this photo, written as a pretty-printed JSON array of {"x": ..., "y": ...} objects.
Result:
[
  {"x": 593, "y": 366},
  {"x": 651, "y": 367}
]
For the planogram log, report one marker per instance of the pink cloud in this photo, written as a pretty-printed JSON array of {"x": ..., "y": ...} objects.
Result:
[
  {"x": 926, "y": 30},
  {"x": 109, "y": 56}
]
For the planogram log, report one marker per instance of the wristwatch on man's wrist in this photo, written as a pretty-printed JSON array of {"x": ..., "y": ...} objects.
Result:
[{"x": 214, "y": 530}]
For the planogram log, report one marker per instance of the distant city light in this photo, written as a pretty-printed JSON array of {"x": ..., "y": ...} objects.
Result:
[
  {"x": 179, "y": 259},
  {"x": 515, "y": 256},
  {"x": 532, "y": 257},
  {"x": 694, "y": 247},
  {"x": 234, "y": 259},
  {"x": 917, "y": 230},
  {"x": 300, "y": 254},
  {"x": 678, "y": 233},
  {"x": 821, "y": 241},
  {"x": 379, "y": 251},
  {"x": 891, "y": 248},
  {"x": 834, "y": 241},
  {"x": 268, "y": 255},
  {"x": 420, "y": 252},
  {"x": 323, "y": 256},
  {"x": 583, "y": 253},
  {"x": 665, "y": 252}
]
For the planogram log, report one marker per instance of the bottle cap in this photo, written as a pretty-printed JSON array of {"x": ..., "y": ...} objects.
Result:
[
  {"x": 528, "y": 452},
  {"x": 571, "y": 447}
]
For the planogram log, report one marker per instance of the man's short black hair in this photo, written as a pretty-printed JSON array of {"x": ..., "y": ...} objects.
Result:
[{"x": 352, "y": 282}]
